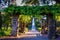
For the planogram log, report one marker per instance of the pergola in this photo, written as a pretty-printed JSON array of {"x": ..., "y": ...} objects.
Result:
[{"x": 49, "y": 11}]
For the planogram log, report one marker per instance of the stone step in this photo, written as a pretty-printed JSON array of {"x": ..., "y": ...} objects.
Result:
[{"x": 33, "y": 33}]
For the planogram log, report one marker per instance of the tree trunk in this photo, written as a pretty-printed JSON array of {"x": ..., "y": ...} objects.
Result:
[
  {"x": 7, "y": 25},
  {"x": 43, "y": 25},
  {"x": 0, "y": 20},
  {"x": 51, "y": 26},
  {"x": 23, "y": 27}
]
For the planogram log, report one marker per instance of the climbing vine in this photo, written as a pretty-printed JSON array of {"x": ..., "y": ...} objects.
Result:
[{"x": 33, "y": 10}]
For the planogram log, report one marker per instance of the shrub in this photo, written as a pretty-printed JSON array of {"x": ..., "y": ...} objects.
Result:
[
  {"x": 39, "y": 29},
  {"x": 1, "y": 33},
  {"x": 5, "y": 31},
  {"x": 58, "y": 30},
  {"x": 8, "y": 31},
  {"x": 26, "y": 29}
]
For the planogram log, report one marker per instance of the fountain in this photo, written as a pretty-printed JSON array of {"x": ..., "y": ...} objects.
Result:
[
  {"x": 33, "y": 25},
  {"x": 33, "y": 30}
]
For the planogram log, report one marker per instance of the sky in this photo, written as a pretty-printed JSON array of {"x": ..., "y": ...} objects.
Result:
[{"x": 19, "y": 3}]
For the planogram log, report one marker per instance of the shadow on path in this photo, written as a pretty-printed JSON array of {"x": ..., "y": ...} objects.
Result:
[{"x": 38, "y": 37}]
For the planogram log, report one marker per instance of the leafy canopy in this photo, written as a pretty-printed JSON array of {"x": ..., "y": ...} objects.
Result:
[
  {"x": 33, "y": 10},
  {"x": 25, "y": 18}
]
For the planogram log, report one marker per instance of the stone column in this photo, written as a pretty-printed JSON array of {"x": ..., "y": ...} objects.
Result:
[
  {"x": 14, "y": 25},
  {"x": 51, "y": 26}
]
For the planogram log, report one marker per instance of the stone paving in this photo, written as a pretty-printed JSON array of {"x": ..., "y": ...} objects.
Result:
[
  {"x": 27, "y": 38},
  {"x": 30, "y": 37},
  {"x": 34, "y": 38}
]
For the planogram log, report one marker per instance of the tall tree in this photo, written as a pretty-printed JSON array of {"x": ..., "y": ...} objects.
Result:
[{"x": 25, "y": 19}]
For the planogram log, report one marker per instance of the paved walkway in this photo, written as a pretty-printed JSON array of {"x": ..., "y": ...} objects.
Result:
[{"x": 29, "y": 36}]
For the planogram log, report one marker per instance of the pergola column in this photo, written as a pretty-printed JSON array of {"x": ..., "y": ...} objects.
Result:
[
  {"x": 51, "y": 26},
  {"x": 14, "y": 25}
]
